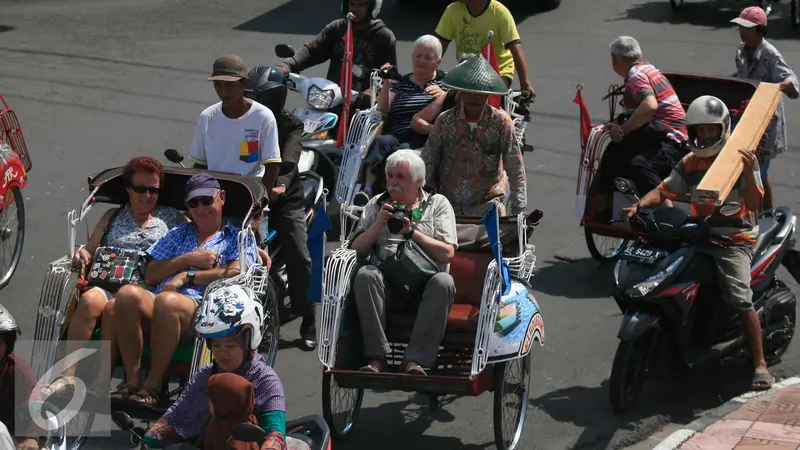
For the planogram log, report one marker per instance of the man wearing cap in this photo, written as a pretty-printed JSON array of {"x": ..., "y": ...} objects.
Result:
[
  {"x": 236, "y": 135},
  {"x": 181, "y": 265},
  {"x": 472, "y": 143},
  {"x": 757, "y": 59}
]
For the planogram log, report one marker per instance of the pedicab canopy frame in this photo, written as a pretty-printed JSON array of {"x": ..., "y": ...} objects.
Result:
[
  {"x": 57, "y": 300},
  {"x": 736, "y": 93}
]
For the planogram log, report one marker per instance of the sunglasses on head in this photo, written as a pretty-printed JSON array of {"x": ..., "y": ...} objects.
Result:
[
  {"x": 143, "y": 189},
  {"x": 204, "y": 200}
]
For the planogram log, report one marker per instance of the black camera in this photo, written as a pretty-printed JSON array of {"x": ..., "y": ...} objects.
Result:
[
  {"x": 400, "y": 212},
  {"x": 389, "y": 72}
]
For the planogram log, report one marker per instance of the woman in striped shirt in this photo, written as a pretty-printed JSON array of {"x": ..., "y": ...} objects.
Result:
[{"x": 402, "y": 99}]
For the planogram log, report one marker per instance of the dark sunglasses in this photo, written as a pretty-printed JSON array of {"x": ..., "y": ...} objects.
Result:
[
  {"x": 204, "y": 200},
  {"x": 143, "y": 189}
]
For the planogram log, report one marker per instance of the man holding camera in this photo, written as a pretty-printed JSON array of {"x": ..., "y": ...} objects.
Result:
[{"x": 405, "y": 212}]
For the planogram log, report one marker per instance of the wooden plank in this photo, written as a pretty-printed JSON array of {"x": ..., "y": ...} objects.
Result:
[{"x": 718, "y": 182}]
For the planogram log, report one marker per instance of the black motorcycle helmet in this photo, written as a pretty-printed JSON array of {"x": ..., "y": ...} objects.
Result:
[
  {"x": 9, "y": 331},
  {"x": 267, "y": 85},
  {"x": 376, "y": 8}
]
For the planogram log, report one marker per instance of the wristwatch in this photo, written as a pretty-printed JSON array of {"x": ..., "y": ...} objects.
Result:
[
  {"x": 621, "y": 132},
  {"x": 191, "y": 273},
  {"x": 409, "y": 235}
]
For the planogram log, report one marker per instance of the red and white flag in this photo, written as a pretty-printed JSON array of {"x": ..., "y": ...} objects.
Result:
[
  {"x": 488, "y": 53},
  {"x": 346, "y": 85}
]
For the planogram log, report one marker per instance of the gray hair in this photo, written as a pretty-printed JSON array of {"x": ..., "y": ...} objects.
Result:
[
  {"x": 416, "y": 166},
  {"x": 430, "y": 41},
  {"x": 626, "y": 47}
]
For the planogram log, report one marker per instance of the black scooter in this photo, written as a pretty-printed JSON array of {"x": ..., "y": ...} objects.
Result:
[
  {"x": 674, "y": 312},
  {"x": 311, "y": 430}
]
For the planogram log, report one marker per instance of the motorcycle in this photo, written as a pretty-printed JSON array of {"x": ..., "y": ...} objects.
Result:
[
  {"x": 310, "y": 430},
  {"x": 671, "y": 301},
  {"x": 313, "y": 196}
]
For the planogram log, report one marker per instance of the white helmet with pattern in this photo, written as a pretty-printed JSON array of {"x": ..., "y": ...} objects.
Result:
[
  {"x": 227, "y": 311},
  {"x": 707, "y": 110}
]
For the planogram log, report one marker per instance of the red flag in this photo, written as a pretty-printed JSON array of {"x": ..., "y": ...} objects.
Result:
[
  {"x": 345, "y": 85},
  {"x": 586, "y": 120},
  {"x": 488, "y": 53}
]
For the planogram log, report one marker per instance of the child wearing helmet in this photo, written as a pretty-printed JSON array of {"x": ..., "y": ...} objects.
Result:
[
  {"x": 709, "y": 127},
  {"x": 230, "y": 320},
  {"x": 14, "y": 372}
]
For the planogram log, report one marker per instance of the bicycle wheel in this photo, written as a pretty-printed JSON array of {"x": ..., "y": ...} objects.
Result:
[{"x": 12, "y": 234}]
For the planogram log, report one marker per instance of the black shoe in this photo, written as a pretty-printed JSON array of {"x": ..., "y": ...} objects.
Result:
[{"x": 308, "y": 334}]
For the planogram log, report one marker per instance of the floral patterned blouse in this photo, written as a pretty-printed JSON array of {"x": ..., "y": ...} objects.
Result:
[{"x": 124, "y": 233}]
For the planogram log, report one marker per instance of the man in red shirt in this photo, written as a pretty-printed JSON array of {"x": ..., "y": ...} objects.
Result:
[
  {"x": 647, "y": 136},
  {"x": 11, "y": 369}
]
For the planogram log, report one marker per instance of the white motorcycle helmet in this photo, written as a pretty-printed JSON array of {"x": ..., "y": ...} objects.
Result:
[
  {"x": 229, "y": 310},
  {"x": 707, "y": 110}
]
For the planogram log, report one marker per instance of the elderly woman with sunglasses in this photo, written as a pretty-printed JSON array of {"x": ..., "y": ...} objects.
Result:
[
  {"x": 136, "y": 226},
  {"x": 181, "y": 265}
]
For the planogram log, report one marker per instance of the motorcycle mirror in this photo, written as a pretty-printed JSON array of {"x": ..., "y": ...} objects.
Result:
[
  {"x": 248, "y": 432},
  {"x": 730, "y": 209},
  {"x": 173, "y": 155},
  {"x": 623, "y": 186},
  {"x": 122, "y": 420},
  {"x": 284, "y": 51},
  {"x": 534, "y": 217}
]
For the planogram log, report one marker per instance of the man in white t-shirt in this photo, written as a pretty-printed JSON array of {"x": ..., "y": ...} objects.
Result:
[{"x": 236, "y": 135}]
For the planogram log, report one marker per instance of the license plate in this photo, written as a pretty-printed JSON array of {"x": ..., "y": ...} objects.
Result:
[{"x": 642, "y": 255}]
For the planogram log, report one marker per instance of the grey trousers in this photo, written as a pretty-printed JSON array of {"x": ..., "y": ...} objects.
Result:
[
  {"x": 372, "y": 296},
  {"x": 291, "y": 228}
]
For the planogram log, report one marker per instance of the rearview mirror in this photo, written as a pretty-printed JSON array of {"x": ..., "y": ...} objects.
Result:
[
  {"x": 173, "y": 155},
  {"x": 730, "y": 209},
  {"x": 284, "y": 51},
  {"x": 623, "y": 186},
  {"x": 248, "y": 432},
  {"x": 122, "y": 420},
  {"x": 534, "y": 217}
]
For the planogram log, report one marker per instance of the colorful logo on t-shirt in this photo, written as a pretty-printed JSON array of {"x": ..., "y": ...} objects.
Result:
[{"x": 248, "y": 150}]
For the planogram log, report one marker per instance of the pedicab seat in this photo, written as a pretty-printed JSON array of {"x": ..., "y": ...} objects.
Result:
[{"x": 468, "y": 269}]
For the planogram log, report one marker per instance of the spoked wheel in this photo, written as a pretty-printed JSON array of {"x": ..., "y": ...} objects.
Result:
[
  {"x": 604, "y": 248},
  {"x": 629, "y": 371},
  {"x": 271, "y": 329},
  {"x": 69, "y": 436},
  {"x": 12, "y": 234},
  {"x": 340, "y": 407},
  {"x": 676, "y": 4},
  {"x": 511, "y": 380}
]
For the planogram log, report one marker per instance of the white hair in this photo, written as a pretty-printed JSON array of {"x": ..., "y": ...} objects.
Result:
[
  {"x": 431, "y": 41},
  {"x": 416, "y": 166},
  {"x": 626, "y": 47}
]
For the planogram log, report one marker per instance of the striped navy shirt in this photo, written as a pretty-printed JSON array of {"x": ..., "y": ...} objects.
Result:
[{"x": 410, "y": 99}]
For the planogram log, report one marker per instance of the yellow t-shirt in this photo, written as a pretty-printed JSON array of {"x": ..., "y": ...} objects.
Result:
[{"x": 470, "y": 32}]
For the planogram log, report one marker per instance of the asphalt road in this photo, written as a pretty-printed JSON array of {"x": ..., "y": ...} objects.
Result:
[{"x": 96, "y": 82}]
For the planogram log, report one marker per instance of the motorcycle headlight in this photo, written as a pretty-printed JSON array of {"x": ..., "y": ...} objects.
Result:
[
  {"x": 652, "y": 282},
  {"x": 320, "y": 99}
]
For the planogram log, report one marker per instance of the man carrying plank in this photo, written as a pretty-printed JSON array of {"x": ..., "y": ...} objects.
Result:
[{"x": 733, "y": 237}]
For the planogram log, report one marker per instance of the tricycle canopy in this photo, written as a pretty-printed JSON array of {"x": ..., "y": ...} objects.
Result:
[
  {"x": 732, "y": 91},
  {"x": 241, "y": 192}
]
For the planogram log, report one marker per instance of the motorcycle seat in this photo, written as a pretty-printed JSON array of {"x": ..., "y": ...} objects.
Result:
[
  {"x": 309, "y": 190},
  {"x": 767, "y": 229}
]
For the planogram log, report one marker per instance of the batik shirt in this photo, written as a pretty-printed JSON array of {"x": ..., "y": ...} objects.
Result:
[
  {"x": 768, "y": 65},
  {"x": 466, "y": 165}
]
